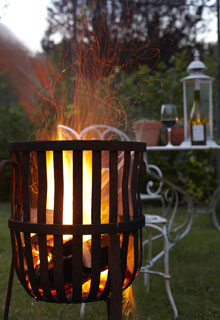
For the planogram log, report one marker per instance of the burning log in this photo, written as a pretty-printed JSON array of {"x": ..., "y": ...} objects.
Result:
[{"x": 67, "y": 260}]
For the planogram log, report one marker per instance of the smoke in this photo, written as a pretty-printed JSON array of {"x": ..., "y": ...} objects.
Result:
[{"x": 22, "y": 70}]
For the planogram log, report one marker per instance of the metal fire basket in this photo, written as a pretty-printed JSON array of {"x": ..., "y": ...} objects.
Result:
[{"x": 62, "y": 279}]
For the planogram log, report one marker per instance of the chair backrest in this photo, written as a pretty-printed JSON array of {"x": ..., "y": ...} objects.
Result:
[
  {"x": 106, "y": 132},
  {"x": 98, "y": 131}
]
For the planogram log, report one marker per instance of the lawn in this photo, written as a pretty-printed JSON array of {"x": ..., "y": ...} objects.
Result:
[{"x": 195, "y": 282}]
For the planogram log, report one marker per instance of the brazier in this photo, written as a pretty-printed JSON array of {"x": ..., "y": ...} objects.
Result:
[{"x": 65, "y": 263}]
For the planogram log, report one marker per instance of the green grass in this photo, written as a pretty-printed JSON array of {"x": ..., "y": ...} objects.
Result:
[{"x": 195, "y": 282}]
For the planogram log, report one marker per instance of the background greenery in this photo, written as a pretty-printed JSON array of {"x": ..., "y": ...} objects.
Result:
[
  {"x": 147, "y": 72},
  {"x": 14, "y": 126}
]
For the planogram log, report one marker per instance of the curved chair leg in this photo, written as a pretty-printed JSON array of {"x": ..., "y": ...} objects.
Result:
[
  {"x": 147, "y": 270},
  {"x": 147, "y": 275},
  {"x": 147, "y": 281},
  {"x": 82, "y": 310},
  {"x": 213, "y": 206},
  {"x": 170, "y": 296}
]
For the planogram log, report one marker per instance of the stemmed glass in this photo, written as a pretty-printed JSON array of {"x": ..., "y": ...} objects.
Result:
[{"x": 169, "y": 118}]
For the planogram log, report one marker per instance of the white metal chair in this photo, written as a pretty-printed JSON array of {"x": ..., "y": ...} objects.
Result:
[
  {"x": 158, "y": 223},
  {"x": 153, "y": 192},
  {"x": 152, "y": 222},
  {"x": 164, "y": 223},
  {"x": 155, "y": 222}
]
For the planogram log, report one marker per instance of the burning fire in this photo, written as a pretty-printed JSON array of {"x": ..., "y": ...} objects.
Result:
[
  {"x": 68, "y": 185},
  {"x": 68, "y": 188},
  {"x": 68, "y": 219}
]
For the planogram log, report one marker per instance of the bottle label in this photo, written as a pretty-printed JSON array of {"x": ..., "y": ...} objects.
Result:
[{"x": 198, "y": 133}]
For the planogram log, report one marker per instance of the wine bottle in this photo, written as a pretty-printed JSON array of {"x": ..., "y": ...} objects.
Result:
[{"x": 197, "y": 121}]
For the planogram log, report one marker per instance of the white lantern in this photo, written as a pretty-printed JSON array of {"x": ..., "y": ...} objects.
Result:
[{"x": 196, "y": 75}]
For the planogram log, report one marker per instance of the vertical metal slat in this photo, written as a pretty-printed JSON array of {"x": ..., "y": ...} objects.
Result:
[
  {"x": 77, "y": 266},
  {"x": 96, "y": 239},
  {"x": 58, "y": 219},
  {"x": 125, "y": 186},
  {"x": 25, "y": 186},
  {"x": 21, "y": 272},
  {"x": 18, "y": 186},
  {"x": 26, "y": 215},
  {"x": 134, "y": 191},
  {"x": 115, "y": 303},
  {"x": 134, "y": 184},
  {"x": 113, "y": 186},
  {"x": 42, "y": 187},
  {"x": 58, "y": 181},
  {"x": 126, "y": 211},
  {"x": 31, "y": 272},
  {"x": 41, "y": 218}
]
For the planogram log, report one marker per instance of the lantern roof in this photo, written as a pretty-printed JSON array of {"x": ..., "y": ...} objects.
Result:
[
  {"x": 196, "y": 69},
  {"x": 196, "y": 64}
]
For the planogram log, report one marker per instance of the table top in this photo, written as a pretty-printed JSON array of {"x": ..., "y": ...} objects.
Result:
[{"x": 185, "y": 145}]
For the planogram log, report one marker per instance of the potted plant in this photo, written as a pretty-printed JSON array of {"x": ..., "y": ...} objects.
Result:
[{"x": 147, "y": 131}]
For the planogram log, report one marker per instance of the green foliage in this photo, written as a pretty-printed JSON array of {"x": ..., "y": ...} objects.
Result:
[
  {"x": 193, "y": 171},
  {"x": 14, "y": 126},
  {"x": 144, "y": 91}
]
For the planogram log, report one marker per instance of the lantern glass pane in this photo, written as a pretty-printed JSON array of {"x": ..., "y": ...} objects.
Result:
[
  {"x": 205, "y": 107},
  {"x": 189, "y": 102}
]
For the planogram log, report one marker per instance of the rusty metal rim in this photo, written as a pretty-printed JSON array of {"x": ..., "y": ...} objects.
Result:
[
  {"x": 77, "y": 229},
  {"x": 76, "y": 145}
]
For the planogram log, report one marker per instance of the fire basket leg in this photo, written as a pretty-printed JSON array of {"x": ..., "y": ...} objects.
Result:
[
  {"x": 114, "y": 304},
  {"x": 10, "y": 284}
]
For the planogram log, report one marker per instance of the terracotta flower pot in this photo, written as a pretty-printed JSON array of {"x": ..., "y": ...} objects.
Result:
[
  {"x": 177, "y": 136},
  {"x": 147, "y": 131}
]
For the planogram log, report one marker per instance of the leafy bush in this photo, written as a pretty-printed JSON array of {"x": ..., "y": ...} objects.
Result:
[
  {"x": 14, "y": 126},
  {"x": 194, "y": 171},
  {"x": 143, "y": 92}
]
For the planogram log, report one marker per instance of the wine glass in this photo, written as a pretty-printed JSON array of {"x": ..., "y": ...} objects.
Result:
[{"x": 169, "y": 118}]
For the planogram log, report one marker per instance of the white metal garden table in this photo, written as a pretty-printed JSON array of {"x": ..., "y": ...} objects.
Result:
[
  {"x": 171, "y": 232},
  {"x": 186, "y": 146}
]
